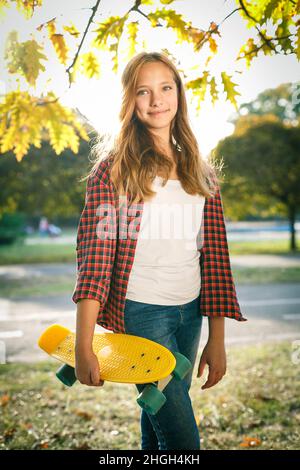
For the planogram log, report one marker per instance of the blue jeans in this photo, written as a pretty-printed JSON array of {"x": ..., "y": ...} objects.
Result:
[{"x": 178, "y": 328}]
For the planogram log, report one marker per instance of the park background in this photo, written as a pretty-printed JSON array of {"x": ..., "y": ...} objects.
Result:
[{"x": 240, "y": 64}]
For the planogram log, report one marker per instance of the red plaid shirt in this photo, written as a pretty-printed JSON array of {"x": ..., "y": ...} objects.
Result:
[{"x": 106, "y": 241}]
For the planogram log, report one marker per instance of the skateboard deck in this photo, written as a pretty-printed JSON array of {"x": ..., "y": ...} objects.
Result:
[{"x": 122, "y": 358}]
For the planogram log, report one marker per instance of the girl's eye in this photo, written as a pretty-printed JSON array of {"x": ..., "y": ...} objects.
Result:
[{"x": 141, "y": 91}]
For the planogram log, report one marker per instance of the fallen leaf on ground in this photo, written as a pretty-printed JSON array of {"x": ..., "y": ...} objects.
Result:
[
  {"x": 84, "y": 414},
  {"x": 4, "y": 400},
  {"x": 250, "y": 442}
]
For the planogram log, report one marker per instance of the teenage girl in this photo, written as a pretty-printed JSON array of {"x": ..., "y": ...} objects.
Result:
[{"x": 157, "y": 270}]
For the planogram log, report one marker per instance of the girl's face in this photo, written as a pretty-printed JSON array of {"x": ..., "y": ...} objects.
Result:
[{"x": 156, "y": 96}]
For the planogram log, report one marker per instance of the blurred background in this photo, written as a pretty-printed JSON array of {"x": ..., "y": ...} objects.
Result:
[{"x": 61, "y": 64}]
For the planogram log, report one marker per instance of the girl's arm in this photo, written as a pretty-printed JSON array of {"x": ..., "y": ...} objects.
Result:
[
  {"x": 87, "y": 312},
  {"x": 86, "y": 362},
  {"x": 214, "y": 354},
  {"x": 216, "y": 329}
]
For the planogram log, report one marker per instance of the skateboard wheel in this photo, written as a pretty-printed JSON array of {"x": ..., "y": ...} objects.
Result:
[
  {"x": 151, "y": 399},
  {"x": 183, "y": 365},
  {"x": 66, "y": 374}
]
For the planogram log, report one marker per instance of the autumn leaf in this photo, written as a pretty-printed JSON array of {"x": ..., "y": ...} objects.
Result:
[
  {"x": 132, "y": 29},
  {"x": 197, "y": 37},
  {"x": 212, "y": 44},
  {"x": 51, "y": 27},
  {"x": 213, "y": 90},
  {"x": 23, "y": 121},
  {"x": 248, "y": 51},
  {"x": 250, "y": 442},
  {"x": 84, "y": 415},
  {"x": 90, "y": 65},
  {"x": 44, "y": 444},
  {"x": 25, "y": 7},
  {"x": 72, "y": 30},
  {"x": 298, "y": 43},
  {"x": 4, "y": 400},
  {"x": 173, "y": 20},
  {"x": 24, "y": 57},
  {"x": 113, "y": 27},
  {"x": 199, "y": 87},
  {"x": 229, "y": 89},
  {"x": 60, "y": 47},
  {"x": 166, "y": 2}
]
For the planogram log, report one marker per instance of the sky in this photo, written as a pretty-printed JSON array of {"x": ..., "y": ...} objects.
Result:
[{"x": 99, "y": 100}]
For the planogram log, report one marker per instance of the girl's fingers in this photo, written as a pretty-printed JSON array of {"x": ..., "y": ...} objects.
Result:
[{"x": 213, "y": 379}]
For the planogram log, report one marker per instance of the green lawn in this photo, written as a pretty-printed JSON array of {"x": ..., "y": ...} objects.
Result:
[
  {"x": 48, "y": 253},
  {"x": 258, "y": 398},
  {"x": 60, "y": 284},
  {"x": 53, "y": 252},
  {"x": 261, "y": 247}
]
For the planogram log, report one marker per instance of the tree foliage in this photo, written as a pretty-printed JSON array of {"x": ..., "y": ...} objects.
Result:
[
  {"x": 274, "y": 28},
  {"x": 262, "y": 158}
]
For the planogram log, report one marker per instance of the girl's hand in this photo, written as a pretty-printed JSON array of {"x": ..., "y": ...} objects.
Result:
[
  {"x": 87, "y": 368},
  {"x": 214, "y": 356}
]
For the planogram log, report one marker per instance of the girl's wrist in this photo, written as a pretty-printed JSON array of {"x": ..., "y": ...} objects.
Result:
[
  {"x": 216, "y": 339},
  {"x": 83, "y": 348}
]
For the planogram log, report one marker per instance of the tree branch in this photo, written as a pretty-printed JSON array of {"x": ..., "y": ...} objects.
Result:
[
  {"x": 94, "y": 10},
  {"x": 136, "y": 8},
  {"x": 266, "y": 41}
]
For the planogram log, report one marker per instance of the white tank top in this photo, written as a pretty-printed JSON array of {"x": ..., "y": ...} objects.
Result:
[{"x": 166, "y": 269}]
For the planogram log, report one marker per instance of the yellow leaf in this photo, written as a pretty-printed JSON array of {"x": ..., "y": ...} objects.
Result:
[
  {"x": 113, "y": 27},
  {"x": 72, "y": 30},
  {"x": 132, "y": 35},
  {"x": 60, "y": 47},
  {"x": 212, "y": 44},
  {"x": 90, "y": 65},
  {"x": 213, "y": 90},
  {"x": 229, "y": 88},
  {"x": 31, "y": 61},
  {"x": 51, "y": 27},
  {"x": 298, "y": 43},
  {"x": 196, "y": 36},
  {"x": 25, "y": 120}
]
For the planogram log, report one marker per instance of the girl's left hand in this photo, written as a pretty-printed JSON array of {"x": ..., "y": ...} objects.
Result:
[{"x": 214, "y": 356}]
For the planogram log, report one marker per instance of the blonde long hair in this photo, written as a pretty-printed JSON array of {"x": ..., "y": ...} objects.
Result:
[{"x": 134, "y": 156}]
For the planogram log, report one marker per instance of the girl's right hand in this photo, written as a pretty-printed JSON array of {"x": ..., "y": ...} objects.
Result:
[{"x": 87, "y": 368}]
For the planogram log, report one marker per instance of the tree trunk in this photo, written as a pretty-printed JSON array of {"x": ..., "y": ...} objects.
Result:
[{"x": 292, "y": 219}]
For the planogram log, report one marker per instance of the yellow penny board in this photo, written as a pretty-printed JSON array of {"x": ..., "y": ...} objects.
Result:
[{"x": 122, "y": 358}]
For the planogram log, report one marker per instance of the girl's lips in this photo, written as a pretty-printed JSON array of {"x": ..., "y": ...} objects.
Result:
[{"x": 158, "y": 113}]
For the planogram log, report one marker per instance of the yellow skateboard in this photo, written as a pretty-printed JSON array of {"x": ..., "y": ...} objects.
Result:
[{"x": 122, "y": 358}]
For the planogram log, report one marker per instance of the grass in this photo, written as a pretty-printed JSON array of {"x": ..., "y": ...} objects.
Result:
[
  {"x": 52, "y": 252},
  {"x": 64, "y": 283},
  {"x": 37, "y": 287},
  {"x": 262, "y": 247},
  {"x": 258, "y": 398},
  {"x": 48, "y": 253},
  {"x": 266, "y": 275}
]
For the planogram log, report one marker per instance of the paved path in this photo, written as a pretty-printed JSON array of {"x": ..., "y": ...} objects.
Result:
[
  {"x": 19, "y": 271},
  {"x": 272, "y": 310},
  {"x": 265, "y": 260}
]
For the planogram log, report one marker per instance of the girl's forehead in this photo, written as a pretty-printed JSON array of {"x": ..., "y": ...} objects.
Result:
[{"x": 155, "y": 71}]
